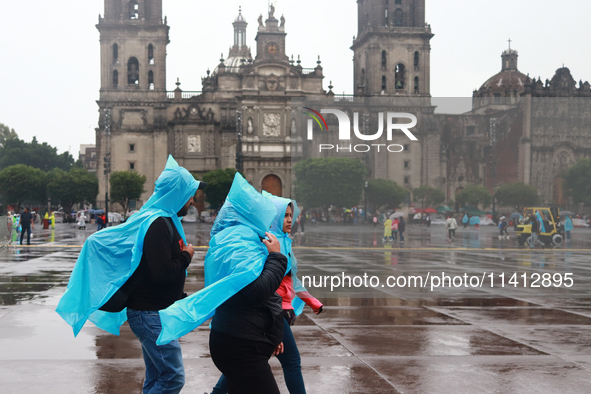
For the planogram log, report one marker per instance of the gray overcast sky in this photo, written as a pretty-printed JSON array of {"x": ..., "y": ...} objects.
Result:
[{"x": 49, "y": 77}]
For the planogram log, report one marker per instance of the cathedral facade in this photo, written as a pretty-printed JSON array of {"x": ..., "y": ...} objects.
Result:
[{"x": 517, "y": 130}]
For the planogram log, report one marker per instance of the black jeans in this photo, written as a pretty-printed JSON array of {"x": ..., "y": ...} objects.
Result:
[
  {"x": 28, "y": 230},
  {"x": 244, "y": 363}
]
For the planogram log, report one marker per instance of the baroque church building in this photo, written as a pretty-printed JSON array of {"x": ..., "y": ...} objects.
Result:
[{"x": 519, "y": 128}]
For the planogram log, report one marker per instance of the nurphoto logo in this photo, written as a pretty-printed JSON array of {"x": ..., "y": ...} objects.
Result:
[{"x": 392, "y": 119}]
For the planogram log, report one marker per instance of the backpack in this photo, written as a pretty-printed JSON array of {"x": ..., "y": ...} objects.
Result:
[
  {"x": 118, "y": 301},
  {"x": 394, "y": 226}
]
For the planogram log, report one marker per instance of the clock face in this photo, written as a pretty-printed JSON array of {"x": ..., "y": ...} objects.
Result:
[{"x": 272, "y": 48}]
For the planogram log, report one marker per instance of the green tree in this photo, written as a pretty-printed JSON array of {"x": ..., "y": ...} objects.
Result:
[
  {"x": 474, "y": 195},
  {"x": 577, "y": 182},
  {"x": 517, "y": 195},
  {"x": 219, "y": 183},
  {"x": 21, "y": 184},
  {"x": 43, "y": 156},
  {"x": 428, "y": 196},
  {"x": 6, "y": 133},
  {"x": 385, "y": 193},
  {"x": 329, "y": 181},
  {"x": 126, "y": 186},
  {"x": 72, "y": 187}
]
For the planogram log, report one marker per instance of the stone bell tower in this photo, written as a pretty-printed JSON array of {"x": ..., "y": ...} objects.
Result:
[
  {"x": 132, "y": 131},
  {"x": 392, "y": 49}
]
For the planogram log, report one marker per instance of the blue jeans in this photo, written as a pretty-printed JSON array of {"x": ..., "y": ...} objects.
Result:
[
  {"x": 165, "y": 372},
  {"x": 290, "y": 362},
  {"x": 402, "y": 236}
]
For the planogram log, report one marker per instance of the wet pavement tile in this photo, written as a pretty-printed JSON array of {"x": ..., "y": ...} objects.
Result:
[
  {"x": 387, "y": 316},
  {"x": 558, "y": 340},
  {"x": 337, "y": 375},
  {"x": 367, "y": 340},
  {"x": 483, "y": 374},
  {"x": 428, "y": 341},
  {"x": 517, "y": 315}
]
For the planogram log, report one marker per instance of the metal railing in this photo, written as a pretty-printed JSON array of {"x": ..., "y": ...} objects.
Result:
[
  {"x": 344, "y": 97},
  {"x": 185, "y": 94}
]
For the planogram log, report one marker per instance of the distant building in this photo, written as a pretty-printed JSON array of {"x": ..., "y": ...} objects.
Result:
[
  {"x": 242, "y": 116},
  {"x": 87, "y": 156}
]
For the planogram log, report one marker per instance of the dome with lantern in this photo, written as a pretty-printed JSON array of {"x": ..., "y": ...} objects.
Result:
[
  {"x": 510, "y": 82},
  {"x": 239, "y": 52}
]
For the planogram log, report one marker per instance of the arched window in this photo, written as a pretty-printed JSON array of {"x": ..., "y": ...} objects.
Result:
[
  {"x": 399, "y": 76},
  {"x": 115, "y": 53},
  {"x": 384, "y": 83},
  {"x": 416, "y": 84},
  {"x": 384, "y": 60},
  {"x": 115, "y": 79},
  {"x": 398, "y": 17},
  {"x": 416, "y": 62},
  {"x": 133, "y": 71},
  {"x": 151, "y": 54},
  {"x": 151, "y": 80},
  {"x": 134, "y": 10}
]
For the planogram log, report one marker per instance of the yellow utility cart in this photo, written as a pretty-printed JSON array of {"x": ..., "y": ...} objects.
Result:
[{"x": 553, "y": 234}]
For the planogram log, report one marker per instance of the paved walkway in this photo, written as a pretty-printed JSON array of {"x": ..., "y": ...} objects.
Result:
[{"x": 370, "y": 339}]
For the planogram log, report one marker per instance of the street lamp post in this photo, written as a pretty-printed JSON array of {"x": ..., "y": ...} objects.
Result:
[
  {"x": 365, "y": 204},
  {"x": 239, "y": 158},
  {"x": 107, "y": 162}
]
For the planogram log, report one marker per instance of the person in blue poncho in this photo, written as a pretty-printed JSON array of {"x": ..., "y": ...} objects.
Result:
[
  {"x": 294, "y": 296},
  {"x": 465, "y": 220},
  {"x": 132, "y": 271},
  {"x": 242, "y": 273},
  {"x": 568, "y": 227}
]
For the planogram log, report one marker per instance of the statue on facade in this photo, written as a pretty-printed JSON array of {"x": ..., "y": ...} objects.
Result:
[
  {"x": 250, "y": 127},
  {"x": 271, "y": 11},
  {"x": 260, "y": 20},
  {"x": 282, "y": 21}
]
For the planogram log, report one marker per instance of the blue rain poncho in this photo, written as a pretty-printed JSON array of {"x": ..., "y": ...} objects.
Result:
[
  {"x": 465, "y": 219},
  {"x": 568, "y": 224},
  {"x": 111, "y": 256},
  {"x": 236, "y": 257},
  {"x": 277, "y": 230},
  {"x": 541, "y": 221}
]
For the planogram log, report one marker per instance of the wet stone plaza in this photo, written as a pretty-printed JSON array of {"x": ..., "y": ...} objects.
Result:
[{"x": 484, "y": 328}]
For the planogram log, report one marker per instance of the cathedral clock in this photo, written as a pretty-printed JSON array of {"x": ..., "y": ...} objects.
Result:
[{"x": 272, "y": 48}]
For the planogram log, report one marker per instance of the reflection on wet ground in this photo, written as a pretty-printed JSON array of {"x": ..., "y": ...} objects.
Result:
[{"x": 381, "y": 339}]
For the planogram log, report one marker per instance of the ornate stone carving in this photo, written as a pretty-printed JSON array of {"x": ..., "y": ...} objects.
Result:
[
  {"x": 271, "y": 125},
  {"x": 272, "y": 83},
  {"x": 194, "y": 144}
]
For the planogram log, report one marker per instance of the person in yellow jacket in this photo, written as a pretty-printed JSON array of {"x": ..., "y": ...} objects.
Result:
[
  {"x": 387, "y": 230},
  {"x": 52, "y": 219}
]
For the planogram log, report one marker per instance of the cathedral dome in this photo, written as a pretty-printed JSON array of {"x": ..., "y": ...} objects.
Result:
[
  {"x": 509, "y": 79},
  {"x": 509, "y": 82},
  {"x": 233, "y": 64}
]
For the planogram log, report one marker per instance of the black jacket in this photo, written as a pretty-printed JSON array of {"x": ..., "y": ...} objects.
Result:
[
  {"x": 162, "y": 270},
  {"x": 255, "y": 313},
  {"x": 402, "y": 226},
  {"x": 535, "y": 226}
]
